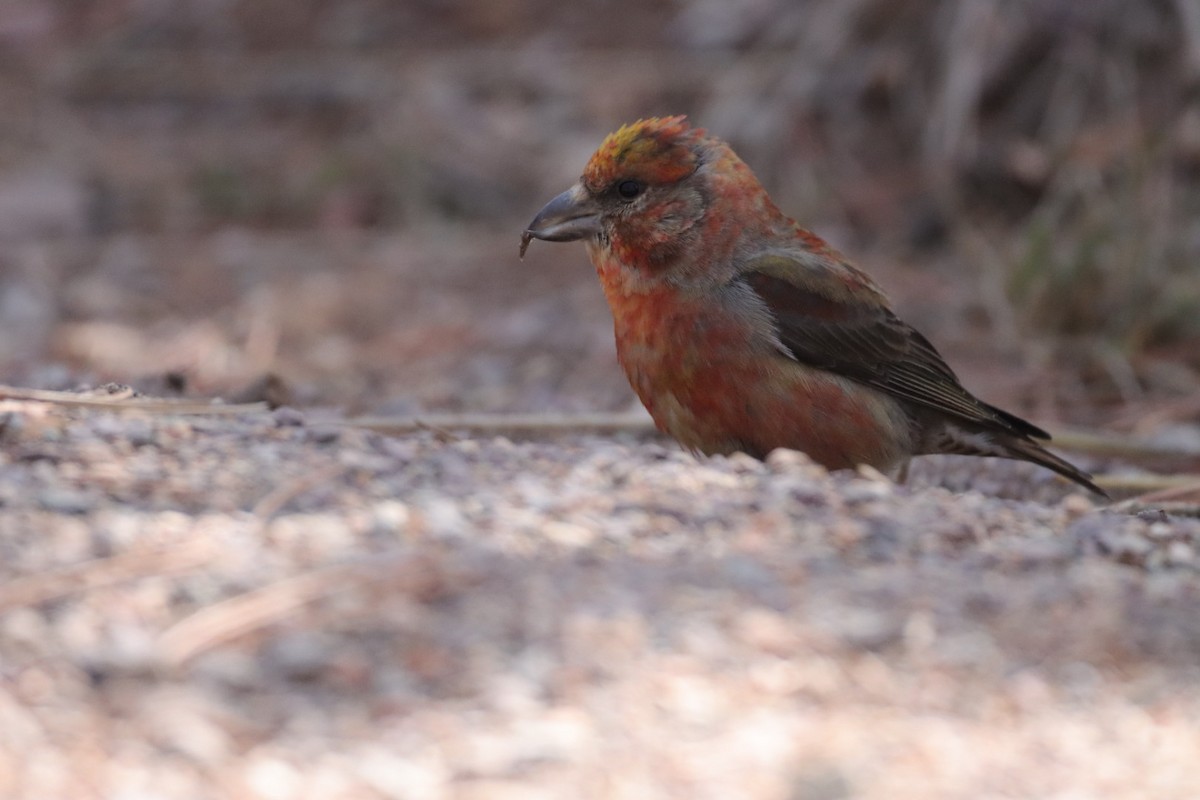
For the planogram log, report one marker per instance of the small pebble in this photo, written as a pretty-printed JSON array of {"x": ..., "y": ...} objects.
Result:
[
  {"x": 288, "y": 417},
  {"x": 324, "y": 434},
  {"x": 66, "y": 501},
  {"x": 1180, "y": 554}
]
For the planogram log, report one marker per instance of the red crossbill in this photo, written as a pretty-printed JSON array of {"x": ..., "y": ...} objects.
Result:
[{"x": 742, "y": 331}]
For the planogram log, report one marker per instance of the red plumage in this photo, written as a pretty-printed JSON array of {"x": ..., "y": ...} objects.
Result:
[{"x": 742, "y": 331}]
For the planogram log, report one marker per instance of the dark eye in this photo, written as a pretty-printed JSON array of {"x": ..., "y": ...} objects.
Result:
[{"x": 629, "y": 189}]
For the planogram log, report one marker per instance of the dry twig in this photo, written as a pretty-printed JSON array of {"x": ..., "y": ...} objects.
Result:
[
  {"x": 78, "y": 578},
  {"x": 1124, "y": 447},
  {"x": 126, "y": 401},
  {"x": 240, "y": 615},
  {"x": 416, "y": 574},
  {"x": 274, "y": 501},
  {"x": 518, "y": 424}
]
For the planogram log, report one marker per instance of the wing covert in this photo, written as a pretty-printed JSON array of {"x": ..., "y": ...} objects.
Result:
[{"x": 821, "y": 324}]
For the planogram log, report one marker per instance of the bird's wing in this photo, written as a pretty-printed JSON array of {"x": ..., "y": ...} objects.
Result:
[{"x": 824, "y": 323}]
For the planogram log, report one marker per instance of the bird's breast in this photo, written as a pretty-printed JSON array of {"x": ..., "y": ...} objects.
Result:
[{"x": 717, "y": 384}]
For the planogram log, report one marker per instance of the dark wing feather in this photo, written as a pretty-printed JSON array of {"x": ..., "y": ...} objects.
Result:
[{"x": 867, "y": 343}]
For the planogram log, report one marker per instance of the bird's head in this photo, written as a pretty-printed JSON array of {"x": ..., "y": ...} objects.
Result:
[{"x": 645, "y": 196}]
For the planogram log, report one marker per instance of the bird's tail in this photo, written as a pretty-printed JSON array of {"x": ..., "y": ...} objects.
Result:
[
  {"x": 1032, "y": 451},
  {"x": 1014, "y": 446}
]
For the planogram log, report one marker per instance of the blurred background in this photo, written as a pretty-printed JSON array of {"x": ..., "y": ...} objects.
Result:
[{"x": 321, "y": 200}]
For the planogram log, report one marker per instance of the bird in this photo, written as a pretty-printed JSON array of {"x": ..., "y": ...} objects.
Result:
[{"x": 742, "y": 331}]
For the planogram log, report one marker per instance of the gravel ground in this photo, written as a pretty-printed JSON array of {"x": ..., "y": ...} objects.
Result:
[
  {"x": 264, "y": 606},
  {"x": 319, "y": 203}
]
